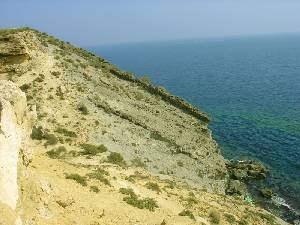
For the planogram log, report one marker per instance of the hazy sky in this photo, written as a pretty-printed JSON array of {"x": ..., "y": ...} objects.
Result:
[{"x": 97, "y": 22}]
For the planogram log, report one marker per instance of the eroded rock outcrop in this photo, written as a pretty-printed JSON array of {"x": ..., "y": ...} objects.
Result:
[{"x": 15, "y": 123}]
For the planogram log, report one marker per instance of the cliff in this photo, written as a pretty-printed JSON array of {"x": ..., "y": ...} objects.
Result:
[{"x": 106, "y": 147}]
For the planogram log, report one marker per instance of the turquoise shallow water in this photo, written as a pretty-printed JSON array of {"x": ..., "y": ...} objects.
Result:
[{"x": 249, "y": 86}]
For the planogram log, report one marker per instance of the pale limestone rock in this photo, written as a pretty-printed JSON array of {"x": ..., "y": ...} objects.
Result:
[{"x": 15, "y": 124}]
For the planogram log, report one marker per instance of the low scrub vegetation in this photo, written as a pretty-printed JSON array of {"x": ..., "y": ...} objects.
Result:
[
  {"x": 99, "y": 174},
  {"x": 214, "y": 216},
  {"x": 57, "y": 153},
  {"x": 83, "y": 109},
  {"x": 116, "y": 158},
  {"x": 187, "y": 213},
  {"x": 39, "y": 134},
  {"x": 92, "y": 150},
  {"x": 65, "y": 132},
  {"x": 78, "y": 178},
  {"x": 51, "y": 139},
  {"x": 135, "y": 201},
  {"x": 94, "y": 189},
  {"x": 153, "y": 186},
  {"x": 145, "y": 79}
]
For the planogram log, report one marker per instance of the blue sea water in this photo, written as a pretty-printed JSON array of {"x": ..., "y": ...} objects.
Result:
[{"x": 250, "y": 87}]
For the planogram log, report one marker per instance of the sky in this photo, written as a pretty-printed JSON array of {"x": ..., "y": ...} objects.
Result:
[{"x": 99, "y": 22}]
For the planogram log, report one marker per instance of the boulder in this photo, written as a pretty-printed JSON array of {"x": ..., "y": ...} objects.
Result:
[
  {"x": 246, "y": 170},
  {"x": 267, "y": 192}
]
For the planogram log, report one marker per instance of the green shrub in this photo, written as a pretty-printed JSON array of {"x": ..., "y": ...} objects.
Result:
[
  {"x": 133, "y": 199},
  {"x": 65, "y": 132},
  {"x": 153, "y": 186},
  {"x": 191, "y": 201},
  {"x": 214, "y": 216},
  {"x": 94, "y": 189},
  {"x": 83, "y": 109},
  {"x": 78, "y": 178},
  {"x": 37, "y": 133},
  {"x": 126, "y": 191},
  {"x": 98, "y": 174},
  {"x": 93, "y": 150},
  {"x": 57, "y": 153},
  {"x": 187, "y": 213},
  {"x": 145, "y": 79},
  {"x": 116, "y": 158},
  {"x": 25, "y": 87},
  {"x": 51, "y": 139},
  {"x": 170, "y": 184},
  {"x": 146, "y": 203}
]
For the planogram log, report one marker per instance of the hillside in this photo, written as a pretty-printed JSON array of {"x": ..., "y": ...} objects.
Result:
[{"x": 98, "y": 146}]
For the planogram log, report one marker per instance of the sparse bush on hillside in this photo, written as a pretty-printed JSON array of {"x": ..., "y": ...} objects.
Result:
[
  {"x": 153, "y": 186},
  {"x": 25, "y": 87},
  {"x": 159, "y": 137},
  {"x": 78, "y": 178},
  {"x": 57, "y": 153},
  {"x": 37, "y": 133},
  {"x": 190, "y": 201},
  {"x": 55, "y": 73},
  {"x": 187, "y": 213},
  {"x": 65, "y": 132},
  {"x": 126, "y": 191},
  {"x": 51, "y": 139},
  {"x": 83, "y": 109},
  {"x": 133, "y": 199},
  {"x": 94, "y": 189},
  {"x": 170, "y": 184},
  {"x": 99, "y": 174},
  {"x": 90, "y": 149},
  {"x": 4, "y": 32},
  {"x": 214, "y": 216},
  {"x": 40, "y": 78},
  {"x": 145, "y": 79},
  {"x": 116, "y": 158}
]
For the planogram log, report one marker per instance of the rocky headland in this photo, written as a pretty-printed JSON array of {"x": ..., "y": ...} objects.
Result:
[{"x": 82, "y": 142}]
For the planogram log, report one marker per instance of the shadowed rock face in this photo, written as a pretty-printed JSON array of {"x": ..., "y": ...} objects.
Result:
[{"x": 12, "y": 51}]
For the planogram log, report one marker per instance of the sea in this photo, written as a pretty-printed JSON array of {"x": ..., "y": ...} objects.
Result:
[{"x": 249, "y": 86}]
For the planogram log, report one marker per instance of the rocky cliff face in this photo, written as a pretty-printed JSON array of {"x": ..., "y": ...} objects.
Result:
[
  {"x": 106, "y": 146},
  {"x": 15, "y": 127}
]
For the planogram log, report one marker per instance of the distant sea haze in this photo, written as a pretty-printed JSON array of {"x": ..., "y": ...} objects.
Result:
[{"x": 249, "y": 86}]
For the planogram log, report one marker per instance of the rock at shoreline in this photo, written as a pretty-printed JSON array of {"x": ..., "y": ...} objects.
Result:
[
  {"x": 267, "y": 193},
  {"x": 246, "y": 170}
]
